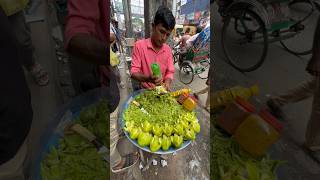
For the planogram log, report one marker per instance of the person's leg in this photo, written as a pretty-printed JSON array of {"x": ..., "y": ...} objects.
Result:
[
  {"x": 117, "y": 162},
  {"x": 115, "y": 157},
  {"x": 312, "y": 132},
  {"x": 23, "y": 35}
]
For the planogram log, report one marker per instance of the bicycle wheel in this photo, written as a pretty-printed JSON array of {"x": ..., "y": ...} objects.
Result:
[
  {"x": 203, "y": 70},
  {"x": 175, "y": 57},
  {"x": 186, "y": 73},
  {"x": 304, "y": 14},
  {"x": 244, "y": 40}
]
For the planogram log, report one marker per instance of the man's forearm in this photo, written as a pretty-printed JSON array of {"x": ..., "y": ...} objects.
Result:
[
  {"x": 88, "y": 47},
  {"x": 140, "y": 77}
]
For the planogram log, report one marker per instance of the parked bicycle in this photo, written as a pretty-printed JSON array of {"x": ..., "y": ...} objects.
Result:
[{"x": 249, "y": 26}]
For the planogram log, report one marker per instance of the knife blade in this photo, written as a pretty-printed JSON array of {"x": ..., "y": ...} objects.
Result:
[
  {"x": 84, "y": 132},
  {"x": 140, "y": 106}
]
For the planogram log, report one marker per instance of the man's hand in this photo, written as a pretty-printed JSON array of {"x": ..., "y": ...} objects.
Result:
[
  {"x": 146, "y": 78},
  {"x": 167, "y": 84},
  {"x": 156, "y": 80}
]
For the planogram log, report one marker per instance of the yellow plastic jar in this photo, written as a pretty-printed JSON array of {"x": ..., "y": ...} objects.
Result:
[
  {"x": 189, "y": 104},
  {"x": 255, "y": 135}
]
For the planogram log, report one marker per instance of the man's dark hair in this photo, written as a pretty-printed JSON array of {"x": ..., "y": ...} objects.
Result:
[
  {"x": 199, "y": 29},
  {"x": 165, "y": 17},
  {"x": 187, "y": 30}
]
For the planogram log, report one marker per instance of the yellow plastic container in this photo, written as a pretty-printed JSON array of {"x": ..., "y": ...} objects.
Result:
[
  {"x": 234, "y": 114},
  {"x": 189, "y": 104},
  {"x": 221, "y": 98},
  {"x": 255, "y": 135},
  {"x": 244, "y": 93},
  {"x": 179, "y": 92},
  {"x": 182, "y": 97}
]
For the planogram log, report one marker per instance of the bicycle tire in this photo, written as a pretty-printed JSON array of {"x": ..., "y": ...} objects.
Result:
[
  {"x": 303, "y": 19},
  {"x": 264, "y": 36},
  {"x": 186, "y": 68}
]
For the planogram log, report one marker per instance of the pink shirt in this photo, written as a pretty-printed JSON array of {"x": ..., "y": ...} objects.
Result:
[
  {"x": 144, "y": 55},
  {"x": 88, "y": 17}
]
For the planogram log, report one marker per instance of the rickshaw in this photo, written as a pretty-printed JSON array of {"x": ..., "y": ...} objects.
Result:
[
  {"x": 254, "y": 24},
  {"x": 197, "y": 59}
]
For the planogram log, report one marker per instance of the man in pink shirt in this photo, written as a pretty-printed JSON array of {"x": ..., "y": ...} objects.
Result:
[
  {"x": 154, "y": 50},
  {"x": 86, "y": 34}
]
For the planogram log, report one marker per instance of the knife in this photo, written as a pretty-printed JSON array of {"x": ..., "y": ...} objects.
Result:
[
  {"x": 84, "y": 132},
  {"x": 140, "y": 106}
]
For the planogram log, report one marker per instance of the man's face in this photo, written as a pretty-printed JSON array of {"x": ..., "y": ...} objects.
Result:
[{"x": 160, "y": 34}]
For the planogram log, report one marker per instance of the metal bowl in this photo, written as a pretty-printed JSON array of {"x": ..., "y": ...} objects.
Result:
[{"x": 122, "y": 125}]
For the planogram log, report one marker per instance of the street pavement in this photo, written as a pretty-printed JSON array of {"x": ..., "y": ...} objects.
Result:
[{"x": 280, "y": 71}]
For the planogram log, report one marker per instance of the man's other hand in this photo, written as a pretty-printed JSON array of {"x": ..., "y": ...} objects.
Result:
[{"x": 167, "y": 84}]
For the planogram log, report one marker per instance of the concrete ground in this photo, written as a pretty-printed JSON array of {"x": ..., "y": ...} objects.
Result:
[{"x": 280, "y": 71}]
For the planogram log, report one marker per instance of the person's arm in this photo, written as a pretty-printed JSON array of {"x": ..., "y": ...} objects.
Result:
[
  {"x": 189, "y": 42},
  {"x": 136, "y": 69},
  {"x": 144, "y": 78},
  {"x": 140, "y": 77},
  {"x": 167, "y": 84},
  {"x": 80, "y": 31},
  {"x": 179, "y": 42},
  {"x": 88, "y": 47},
  {"x": 168, "y": 77}
]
